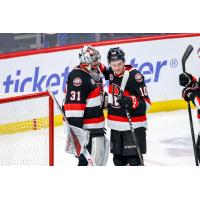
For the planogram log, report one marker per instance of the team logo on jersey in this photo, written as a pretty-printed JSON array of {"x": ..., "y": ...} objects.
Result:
[
  {"x": 138, "y": 77},
  {"x": 77, "y": 82},
  {"x": 115, "y": 95},
  {"x": 93, "y": 81},
  {"x": 111, "y": 77}
]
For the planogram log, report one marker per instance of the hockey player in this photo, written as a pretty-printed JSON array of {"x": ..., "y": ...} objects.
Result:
[
  {"x": 191, "y": 92},
  {"x": 83, "y": 103},
  {"x": 135, "y": 96}
]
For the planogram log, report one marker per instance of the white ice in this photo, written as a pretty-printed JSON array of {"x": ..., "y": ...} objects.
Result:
[{"x": 169, "y": 141}]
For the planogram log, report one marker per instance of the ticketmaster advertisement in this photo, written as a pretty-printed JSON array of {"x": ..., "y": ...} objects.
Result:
[{"x": 158, "y": 60}]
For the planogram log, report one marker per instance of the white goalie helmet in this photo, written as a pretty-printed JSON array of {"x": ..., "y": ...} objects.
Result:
[{"x": 89, "y": 55}]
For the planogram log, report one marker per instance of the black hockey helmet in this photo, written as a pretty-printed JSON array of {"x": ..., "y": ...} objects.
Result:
[{"x": 115, "y": 54}]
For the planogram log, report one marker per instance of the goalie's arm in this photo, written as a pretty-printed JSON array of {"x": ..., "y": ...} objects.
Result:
[
  {"x": 104, "y": 71},
  {"x": 75, "y": 100}
]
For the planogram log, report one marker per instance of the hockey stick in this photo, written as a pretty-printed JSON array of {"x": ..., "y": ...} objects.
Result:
[
  {"x": 186, "y": 55},
  {"x": 123, "y": 84},
  {"x": 184, "y": 59},
  {"x": 75, "y": 138}
]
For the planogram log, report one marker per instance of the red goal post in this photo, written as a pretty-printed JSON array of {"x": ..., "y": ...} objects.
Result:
[{"x": 31, "y": 124}]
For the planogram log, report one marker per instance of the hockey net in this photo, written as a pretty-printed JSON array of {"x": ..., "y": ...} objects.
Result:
[{"x": 27, "y": 129}]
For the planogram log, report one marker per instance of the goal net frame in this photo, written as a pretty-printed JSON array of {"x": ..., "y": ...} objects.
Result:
[{"x": 50, "y": 116}]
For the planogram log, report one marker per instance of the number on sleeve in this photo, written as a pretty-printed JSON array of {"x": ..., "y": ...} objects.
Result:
[{"x": 144, "y": 91}]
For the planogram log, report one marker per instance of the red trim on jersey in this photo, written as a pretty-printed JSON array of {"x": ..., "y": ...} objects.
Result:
[
  {"x": 125, "y": 119},
  {"x": 82, "y": 69},
  {"x": 194, "y": 79},
  {"x": 147, "y": 100},
  {"x": 102, "y": 67},
  {"x": 198, "y": 99},
  {"x": 135, "y": 102},
  {"x": 128, "y": 67},
  {"x": 93, "y": 120},
  {"x": 198, "y": 116},
  {"x": 127, "y": 93},
  {"x": 94, "y": 93},
  {"x": 84, "y": 65},
  {"x": 74, "y": 106},
  {"x": 76, "y": 142},
  {"x": 110, "y": 89}
]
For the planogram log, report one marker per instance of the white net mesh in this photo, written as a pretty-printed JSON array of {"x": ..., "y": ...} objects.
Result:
[{"x": 24, "y": 132}]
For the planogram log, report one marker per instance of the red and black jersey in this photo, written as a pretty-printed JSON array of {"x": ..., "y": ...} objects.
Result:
[
  {"x": 198, "y": 115},
  {"x": 117, "y": 119},
  {"x": 83, "y": 105},
  {"x": 195, "y": 97}
]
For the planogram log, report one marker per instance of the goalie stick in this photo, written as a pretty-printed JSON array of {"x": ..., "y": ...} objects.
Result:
[
  {"x": 122, "y": 87},
  {"x": 186, "y": 55},
  {"x": 75, "y": 138}
]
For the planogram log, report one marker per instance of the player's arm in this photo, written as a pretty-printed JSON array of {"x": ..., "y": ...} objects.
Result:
[
  {"x": 140, "y": 87},
  {"x": 191, "y": 91},
  {"x": 104, "y": 71},
  {"x": 192, "y": 94},
  {"x": 75, "y": 100},
  {"x": 138, "y": 97}
]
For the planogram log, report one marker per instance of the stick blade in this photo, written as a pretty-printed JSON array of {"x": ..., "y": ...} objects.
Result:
[{"x": 187, "y": 53}]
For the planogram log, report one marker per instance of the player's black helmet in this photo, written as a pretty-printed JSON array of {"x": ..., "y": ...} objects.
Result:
[{"x": 115, "y": 54}]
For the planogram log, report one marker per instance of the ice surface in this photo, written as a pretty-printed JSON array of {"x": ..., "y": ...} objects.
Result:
[{"x": 168, "y": 141}]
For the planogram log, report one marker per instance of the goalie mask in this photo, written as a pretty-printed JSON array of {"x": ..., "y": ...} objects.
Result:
[{"x": 89, "y": 56}]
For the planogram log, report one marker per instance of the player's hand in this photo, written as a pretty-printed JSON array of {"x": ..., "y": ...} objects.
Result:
[
  {"x": 186, "y": 79},
  {"x": 102, "y": 67},
  {"x": 130, "y": 102},
  {"x": 188, "y": 91}
]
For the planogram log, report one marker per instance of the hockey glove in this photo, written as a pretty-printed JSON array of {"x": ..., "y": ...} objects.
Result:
[
  {"x": 188, "y": 91},
  {"x": 186, "y": 79},
  {"x": 130, "y": 102}
]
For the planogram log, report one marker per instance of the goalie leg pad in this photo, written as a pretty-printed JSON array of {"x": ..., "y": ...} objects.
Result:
[{"x": 100, "y": 150}]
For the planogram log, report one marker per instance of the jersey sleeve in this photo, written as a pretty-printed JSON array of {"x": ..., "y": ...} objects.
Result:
[
  {"x": 198, "y": 115},
  {"x": 104, "y": 71},
  {"x": 75, "y": 100},
  {"x": 195, "y": 97},
  {"x": 138, "y": 88}
]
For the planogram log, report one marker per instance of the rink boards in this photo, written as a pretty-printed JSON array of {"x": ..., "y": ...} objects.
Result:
[{"x": 157, "y": 58}]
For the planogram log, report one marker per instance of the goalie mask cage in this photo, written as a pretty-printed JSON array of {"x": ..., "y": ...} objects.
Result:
[{"x": 27, "y": 129}]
